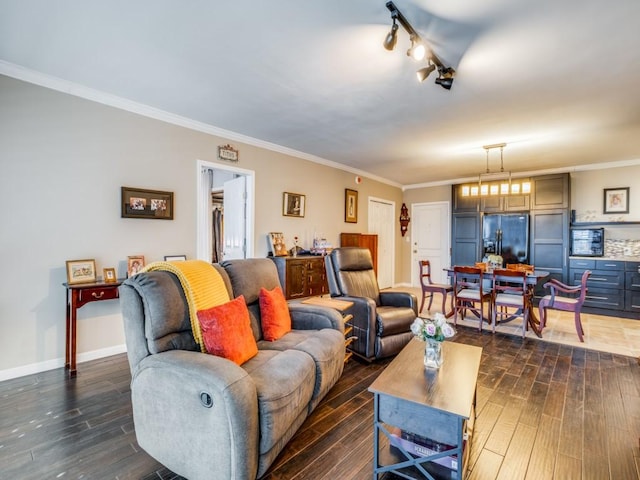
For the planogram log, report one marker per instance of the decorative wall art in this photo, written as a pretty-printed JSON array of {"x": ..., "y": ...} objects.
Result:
[
  {"x": 616, "y": 200},
  {"x": 81, "y": 271},
  {"x": 228, "y": 153},
  {"x": 350, "y": 206},
  {"x": 141, "y": 203},
  {"x": 293, "y": 204}
]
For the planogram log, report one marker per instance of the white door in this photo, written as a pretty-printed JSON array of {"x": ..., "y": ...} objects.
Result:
[
  {"x": 430, "y": 240},
  {"x": 381, "y": 222},
  {"x": 235, "y": 211}
]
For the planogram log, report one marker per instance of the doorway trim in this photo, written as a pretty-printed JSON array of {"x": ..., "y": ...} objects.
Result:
[
  {"x": 390, "y": 233},
  {"x": 203, "y": 245}
]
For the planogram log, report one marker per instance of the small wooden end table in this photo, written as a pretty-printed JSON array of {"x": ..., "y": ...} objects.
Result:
[
  {"x": 434, "y": 404},
  {"x": 342, "y": 306}
]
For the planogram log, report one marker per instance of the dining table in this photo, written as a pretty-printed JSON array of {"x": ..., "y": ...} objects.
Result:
[{"x": 532, "y": 279}]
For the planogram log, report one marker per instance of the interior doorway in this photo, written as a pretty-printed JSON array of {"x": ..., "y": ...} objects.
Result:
[
  {"x": 225, "y": 212},
  {"x": 430, "y": 240},
  {"x": 381, "y": 222}
]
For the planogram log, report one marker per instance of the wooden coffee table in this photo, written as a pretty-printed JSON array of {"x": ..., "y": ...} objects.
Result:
[{"x": 434, "y": 404}]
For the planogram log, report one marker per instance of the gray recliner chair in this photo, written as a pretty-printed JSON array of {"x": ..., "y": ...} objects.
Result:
[{"x": 381, "y": 320}]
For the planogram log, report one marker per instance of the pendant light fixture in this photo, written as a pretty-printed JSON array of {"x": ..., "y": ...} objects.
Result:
[{"x": 496, "y": 183}]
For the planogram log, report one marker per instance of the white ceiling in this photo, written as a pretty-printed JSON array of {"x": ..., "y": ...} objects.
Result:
[{"x": 557, "y": 80}]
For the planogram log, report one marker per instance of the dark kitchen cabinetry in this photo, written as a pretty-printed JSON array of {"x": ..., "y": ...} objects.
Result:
[
  {"x": 605, "y": 286},
  {"x": 548, "y": 208},
  {"x": 632, "y": 287},
  {"x": 550, "y": 192},
  {"x": 465, "y": 238},
  {"x": 301, "y": 276},
  {"x": 550, "y": 244}
]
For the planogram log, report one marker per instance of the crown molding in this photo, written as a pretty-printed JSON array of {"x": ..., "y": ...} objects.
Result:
[{"x": 65, "y": 86}]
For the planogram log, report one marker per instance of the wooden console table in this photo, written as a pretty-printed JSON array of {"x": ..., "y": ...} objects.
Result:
[
  {"x": 78, "y": 295},
  {"x": 434, "y": 404}
]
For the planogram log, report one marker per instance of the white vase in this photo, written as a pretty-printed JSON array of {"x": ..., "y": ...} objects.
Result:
[{"x": 432, "y": 354}]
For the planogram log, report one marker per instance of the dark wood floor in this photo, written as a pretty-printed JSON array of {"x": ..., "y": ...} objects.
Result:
[{"x": 544, "y": 411}]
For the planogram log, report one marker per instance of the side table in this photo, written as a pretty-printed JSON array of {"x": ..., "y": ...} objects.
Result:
[
  {"x": 78, "y": 295},
  {"x": 342, "y": 306}
]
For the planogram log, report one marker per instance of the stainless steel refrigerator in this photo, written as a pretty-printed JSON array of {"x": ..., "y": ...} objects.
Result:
[{"x": 507, "y": 235}]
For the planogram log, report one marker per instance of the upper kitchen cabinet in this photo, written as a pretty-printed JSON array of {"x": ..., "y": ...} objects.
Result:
[
  {"x": 550, "y": 192},
  {"x": 463, "y": 204}
]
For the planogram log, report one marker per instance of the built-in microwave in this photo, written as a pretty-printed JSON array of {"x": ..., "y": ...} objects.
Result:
[{"x": 587, "y": 242}]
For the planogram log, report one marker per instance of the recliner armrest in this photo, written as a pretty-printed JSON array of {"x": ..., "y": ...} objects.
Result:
[
  {"x": 399, "y": 299},
  {"x": 184, "y": 402},
  {"x": 314, "y": 317}
]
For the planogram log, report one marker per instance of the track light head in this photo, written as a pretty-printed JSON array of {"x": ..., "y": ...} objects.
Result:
[
  {"x": 417, "y": 50},
  {"x": 392, "y": 37},
  {"x": 423, "y": 73},
  {"x": 445, "y": 79}
]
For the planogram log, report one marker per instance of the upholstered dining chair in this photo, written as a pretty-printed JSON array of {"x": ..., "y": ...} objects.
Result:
[
  {"x": 510, "y": 297},
  {"x": 470, "y": 293},
  {"x": 429, "y": 288},
  {"x": 571, "y": 303}
]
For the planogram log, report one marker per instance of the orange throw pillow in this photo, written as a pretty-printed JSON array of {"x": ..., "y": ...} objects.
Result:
[
  {"x": 274, "y": 313},
  {"x": 226, "y": 331}
]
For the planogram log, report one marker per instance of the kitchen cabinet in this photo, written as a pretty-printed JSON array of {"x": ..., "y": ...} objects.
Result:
[
  {"x": 549, "y": 245},
  {"x": 605, "y": 286},
  {"x": 465, "y": 238},
  {"x": 632, "y": 287},
  {"x": 550, "y": 192},
  {"x": 302, "y": 276}
]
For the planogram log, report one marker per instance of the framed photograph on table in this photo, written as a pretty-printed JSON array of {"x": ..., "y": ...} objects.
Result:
[
  {"x": 174, "y": 258},
  {"x": 141, "y": 203},
  {"x": 109, "y": 275},
  {"x": 81, "y": 271},
  {"x": 293, "y": 204},
  {"x": 276, "y": 242},
  {"x": 350, "y": 205},
  {"x": 616, "y": 200},
  {"x": 134, "y": 264}
]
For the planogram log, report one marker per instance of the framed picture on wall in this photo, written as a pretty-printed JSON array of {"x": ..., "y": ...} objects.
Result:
[
  {"x": 350, "y": 206},
  {"x": 616, "y": 200},
  {"x": 141, "y": 203},
  {"x": 293, "y": 204}
]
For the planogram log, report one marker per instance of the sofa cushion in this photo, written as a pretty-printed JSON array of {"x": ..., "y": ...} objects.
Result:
[
  {"x": 274, "y": 314},
  {"x": 325, "y": 346},
  {"x": 226, "y": 331},
  {"x": 284, "y": 383}
]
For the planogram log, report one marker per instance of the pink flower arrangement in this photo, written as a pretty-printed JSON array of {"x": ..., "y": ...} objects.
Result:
[{"x": 437, "y": 329}]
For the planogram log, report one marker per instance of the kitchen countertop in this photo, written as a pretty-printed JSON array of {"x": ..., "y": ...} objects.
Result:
[{"x": 622, "y": 258}]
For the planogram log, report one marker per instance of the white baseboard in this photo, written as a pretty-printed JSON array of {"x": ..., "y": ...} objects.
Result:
[{"x": 59, "y": 362}]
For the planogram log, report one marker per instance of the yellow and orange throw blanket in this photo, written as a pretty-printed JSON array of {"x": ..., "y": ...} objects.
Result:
[{"x": 203, "y": 288}]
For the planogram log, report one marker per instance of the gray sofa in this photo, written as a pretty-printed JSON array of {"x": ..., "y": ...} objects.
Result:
[{"x": 202, "y": 416}]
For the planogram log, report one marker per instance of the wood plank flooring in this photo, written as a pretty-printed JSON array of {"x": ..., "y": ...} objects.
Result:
[{"x": 545, "y": 411}]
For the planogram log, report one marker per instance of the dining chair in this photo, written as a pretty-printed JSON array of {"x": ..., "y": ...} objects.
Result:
[
  {"x": 510, "y": 297},
  {"x": 572, "y": 303},
  {"x": 469, "y": 293},
  {"x": 429, "y": 288}
]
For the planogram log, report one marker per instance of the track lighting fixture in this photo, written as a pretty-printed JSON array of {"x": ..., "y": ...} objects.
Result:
[
  {"x": 423, "y": 73},
  {"x": 419, "y": 50},
  {"x": 392, "y": 37}
]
